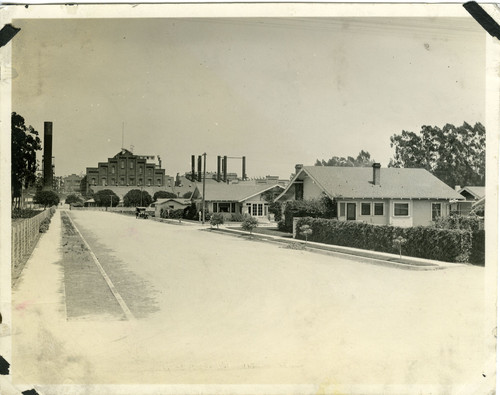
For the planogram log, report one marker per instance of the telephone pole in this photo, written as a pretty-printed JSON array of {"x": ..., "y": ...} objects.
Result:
[{"x": 203, "y": 197}]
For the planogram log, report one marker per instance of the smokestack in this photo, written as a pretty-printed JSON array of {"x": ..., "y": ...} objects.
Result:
[
  {"x": 376, "y": 173},
  {"x": 243, "y": 168},
  {"x": 199, "y": 168},
  {"x": 218, "y": 168},
  {"x": 193, "y": 174},
  {"x": 47, "y": 156},
  {"x": 224, "y": 168},
  {"x": 159, "y": 162},
  {"x": 298, "y": 167}
]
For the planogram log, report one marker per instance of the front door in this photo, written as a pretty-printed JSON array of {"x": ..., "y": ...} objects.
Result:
[{"x": 351, "y": 211}]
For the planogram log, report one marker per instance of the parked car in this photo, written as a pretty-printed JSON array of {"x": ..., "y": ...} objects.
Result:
[{"x": 140, "y": 212}]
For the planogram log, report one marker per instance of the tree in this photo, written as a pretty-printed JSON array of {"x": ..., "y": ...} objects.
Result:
[
  {"x": 249, "y": 224},
  {"x": 46, "y": 198},
  {"x": 162, "y": 195},
  {"x": 362, "y": 160},
  {"x": 106, "y": 198},
  {"x": 136, "y": 197},
  {"x": 73, "y": 198},
  {"x": 217, "y": 219},
  {"x": 455, "y": 155},
  {"x": 24, "y": 144}
]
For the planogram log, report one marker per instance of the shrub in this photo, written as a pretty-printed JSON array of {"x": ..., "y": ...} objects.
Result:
[
  {"x": 315, "y": 208},
  {"x": 237, "y": 217},
  {"x": 217, "y": 219},
  {"x": 450, "y": 245},
  {"x": 477, "y": 255},
  {"x": 457, "y": 221},
  {"x": 24, "y": 213},
  {"x": 249, "y": 224},
  {"x": 44, "y": 225}
]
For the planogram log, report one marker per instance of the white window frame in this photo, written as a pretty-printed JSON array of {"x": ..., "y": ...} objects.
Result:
[
  {"x": 383, "y": 209},
  {"x": 361, "y": 209},
  {"x": 440, "y": 209},
  {"x": 401, "y": 202}
]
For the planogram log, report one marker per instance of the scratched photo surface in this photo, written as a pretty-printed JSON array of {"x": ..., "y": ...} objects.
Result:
[{"x": 114, "y": 295}]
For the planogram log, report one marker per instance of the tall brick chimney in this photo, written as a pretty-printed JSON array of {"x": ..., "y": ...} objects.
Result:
[
  {"x": 47, "y": 156},
  {"x": 376, "y": 173},
  {"x": 298, "y": 167}
]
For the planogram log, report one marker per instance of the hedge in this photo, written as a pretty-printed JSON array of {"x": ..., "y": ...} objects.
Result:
[
  {"x": 323, "y": 207},
  {"x": 449, "y": 245}
]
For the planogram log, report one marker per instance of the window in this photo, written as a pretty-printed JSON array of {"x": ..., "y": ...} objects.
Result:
[
  {"x": 140, "y": 181},
  {"x": 257, "y": 209},
  {"x": 149, "y": 182},
  {"x": 214, "y": 207},
  {"x": 123, "y": 164},
  {"x": 140, "y": 169},
  {"x": 103, "y": 182},
  {"x": 93, "y": 181},
  {"x": 112, "y": 181},
  {"x": 341, "y": 209},
  {"x": 401, "y": 209},
  {"x": 122, "y": 181},
  {"x": 378, "y": 208},
  {"x": 131, "y": 165},
  {"x": 131, "y": 181},
  {"x": 112, "y": 170},
  {"x": 436, "y": 211},
  {"x": 366, "y": 208},
  {"x": 158, "y": 181},
  {"x": 299, "y": 191}
]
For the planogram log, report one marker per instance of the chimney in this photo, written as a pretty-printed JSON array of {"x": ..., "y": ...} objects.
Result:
[
  {"x": 243, "y": 168},
  {"x": 457, "y": 188},
  {"x": 218, "y": 168},
  {"x": 47, "y": 156},
  {"x": 298, "y": 167},
  {"x": 199, "y": 168},
  {"x": 193, "y": 174},
  {"x": 224, "y": 168},
  {"x": 376, "y": 173}
]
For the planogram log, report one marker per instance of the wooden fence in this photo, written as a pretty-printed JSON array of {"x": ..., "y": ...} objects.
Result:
[{"x": 24, "y": 235}]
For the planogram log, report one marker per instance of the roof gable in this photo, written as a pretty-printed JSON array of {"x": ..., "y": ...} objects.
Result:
[
  {"x": 234, "y": 192},
  {"x": 395, "y": 183}
]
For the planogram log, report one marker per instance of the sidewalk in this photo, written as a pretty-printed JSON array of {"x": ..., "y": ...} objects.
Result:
[{"x": 375, "y": 257}]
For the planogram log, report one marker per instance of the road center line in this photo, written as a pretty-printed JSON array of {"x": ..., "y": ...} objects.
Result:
[{"x": 111, "y": 286}]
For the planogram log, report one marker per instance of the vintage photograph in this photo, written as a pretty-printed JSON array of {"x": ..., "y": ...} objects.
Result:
[{"x": 263, "y": 202}]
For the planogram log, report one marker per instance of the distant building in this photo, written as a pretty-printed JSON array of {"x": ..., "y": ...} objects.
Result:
[
  {"x": 126, "y": 171},
  {"x": 72, "y": 183}
]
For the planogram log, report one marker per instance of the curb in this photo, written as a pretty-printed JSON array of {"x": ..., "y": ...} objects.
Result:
[{"x": 367, "y": 256}]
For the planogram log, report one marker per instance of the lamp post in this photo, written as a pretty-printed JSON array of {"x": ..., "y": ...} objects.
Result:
[{"x": 203, "y": 197}]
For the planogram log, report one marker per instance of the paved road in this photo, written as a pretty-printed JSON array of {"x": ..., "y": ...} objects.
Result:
[{"x": 212, "y": 308}]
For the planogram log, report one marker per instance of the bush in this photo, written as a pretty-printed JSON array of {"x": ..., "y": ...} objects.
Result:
[
  {"x": 450, "y": 245},
  {"x": 24, "y": 213},
  {"x": 237, "y": 217},
  {"x": 315, "y": 208},
  {"x": 44, "y": 225},
  {"x": 456, "y": 221},
  {"x": 217, "y": 219},
  {"x": 477, "y": 256},
  {"x": 249, "y": 224}
]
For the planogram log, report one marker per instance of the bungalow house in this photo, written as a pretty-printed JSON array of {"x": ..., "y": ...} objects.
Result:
[
  {"x": 389, "y": 196},
  {"x": 472, "y": 195},
  {"x": 169, "y": 204},
  {"x": 238, "y": 198}
]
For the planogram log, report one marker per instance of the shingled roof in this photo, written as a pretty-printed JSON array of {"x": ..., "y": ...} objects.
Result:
[
  {"x": 222, "y": 192},
  {"x": 395, "y": 183}
]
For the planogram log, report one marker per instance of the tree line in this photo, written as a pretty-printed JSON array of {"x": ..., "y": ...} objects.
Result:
[{"x": 454, "y": 154}]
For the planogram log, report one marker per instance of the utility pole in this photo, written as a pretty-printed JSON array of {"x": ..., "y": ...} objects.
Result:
[{"x": 204, "y": 176}]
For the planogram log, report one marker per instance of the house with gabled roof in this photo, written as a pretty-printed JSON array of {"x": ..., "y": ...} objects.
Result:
[
  {"x": 238, "y": 198},
  {"x": 389, "y": 196},
  {"x": 472, "y": 195}
]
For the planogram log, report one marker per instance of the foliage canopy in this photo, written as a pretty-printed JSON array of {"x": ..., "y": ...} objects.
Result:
[{"x": 455, "y": 155}]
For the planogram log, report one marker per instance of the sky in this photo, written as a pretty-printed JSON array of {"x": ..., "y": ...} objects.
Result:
[{"x": 279, "y": 91}]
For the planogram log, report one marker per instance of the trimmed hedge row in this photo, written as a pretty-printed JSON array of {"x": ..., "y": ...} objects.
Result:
[{"x": 449, "y": 245}]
